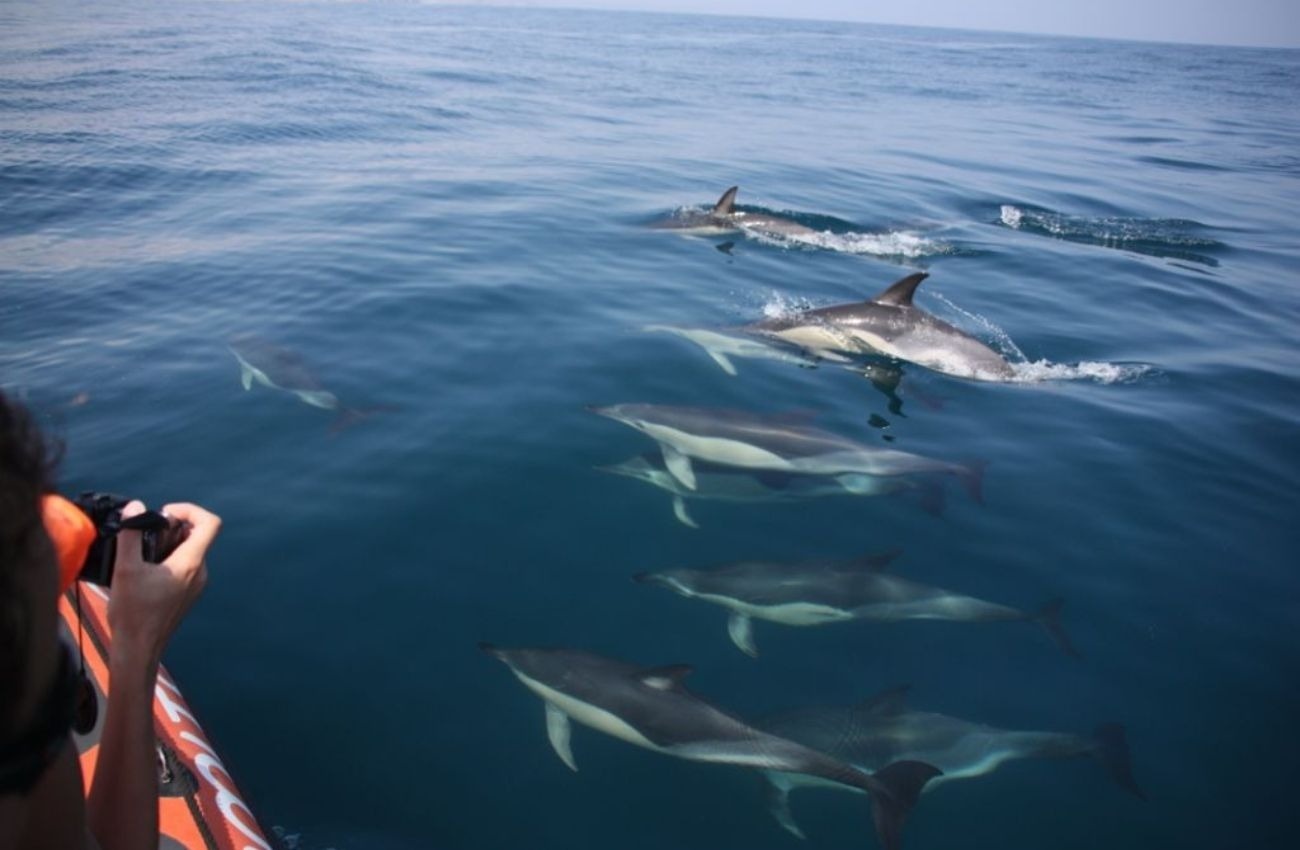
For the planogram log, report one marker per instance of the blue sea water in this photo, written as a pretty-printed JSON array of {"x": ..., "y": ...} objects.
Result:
[{"x": 444, "y": 212}]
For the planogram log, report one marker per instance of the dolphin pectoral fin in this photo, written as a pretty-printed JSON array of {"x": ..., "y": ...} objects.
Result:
[
  {"x": 558, "y": 729},
  {"x": 829, "y": 356},
  {"x": 679, "y": 511},
  {"x": 1049, "y": 617},
  {"x": 894, "y": 790},
  {"x": 679, "y": 465},
  {"x": 972, "y": 476},
  {"x": 740, "y": 627},
  {"x": 245, "y": 376},
  {"x": 723, "y": 361},
  {"x": 884, "y": 704},
  {"x": 778, "y": 803},
  {"x": 878, "y": 562},
  {"x": 932, "y": 498}
]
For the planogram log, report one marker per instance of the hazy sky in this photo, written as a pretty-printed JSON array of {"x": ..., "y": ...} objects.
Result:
[{"x": 1274, "y": 23}]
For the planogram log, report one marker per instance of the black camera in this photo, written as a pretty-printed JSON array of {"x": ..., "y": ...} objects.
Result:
[{"x": 160, "y": 534}]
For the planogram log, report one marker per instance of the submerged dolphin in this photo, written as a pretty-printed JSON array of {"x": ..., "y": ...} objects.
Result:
[
  {"x": 279, "y": 369},
  {"x": 727, "y": 484},
  {"x": 812, "y": 593},
  {"x": 725, "y": 218},
  {"x": 722, "y": 346},
  {"x": 881, "y": 730},
  {"x": 889, "y": 324},
  {"x": 651, "y": 708},
  {"x": 751, "y": 441}
]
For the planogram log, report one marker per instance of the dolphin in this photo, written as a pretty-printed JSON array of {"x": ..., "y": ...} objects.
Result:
[
  {"x": 722, "y": 346},
  {"x": 752, "y": 441},
  {"x": 811, "y": 593},
  {"x": 892, "y": 325},
  {"x": 724, "y": 218},
  {"x": 881, "y": 729},
  {"x": 727, "y": 484},
  {"x": 650, "y": 707},
  {"x": 280, "y": 369}
]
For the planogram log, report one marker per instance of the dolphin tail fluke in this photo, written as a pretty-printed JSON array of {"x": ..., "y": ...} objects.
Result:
[
  {"x": 894, "y": 790},
  {"x": 1049, "y": 617},
  {"x": 1112, "y": 751},
  {"x": 245, "y": 376},
  {"x": 972, "y": 477}
]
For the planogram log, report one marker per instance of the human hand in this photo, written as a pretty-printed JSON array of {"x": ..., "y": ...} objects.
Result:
[{"x": 148, "y": 601}]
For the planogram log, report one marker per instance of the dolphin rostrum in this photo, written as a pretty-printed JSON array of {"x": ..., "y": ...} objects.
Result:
[
  {"x": 892, "y": 325},
  {"x": 752, "y": 441},
  {"x": 881, "y": 730},
  {"x": 811, "y": 593},
  {"x": 724, "y": 218},
  {"x": 650, "y": 707},
  {"x": 728, "y": 484}
]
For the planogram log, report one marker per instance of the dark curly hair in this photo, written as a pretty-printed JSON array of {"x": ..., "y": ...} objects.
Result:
[{"x": 27, "y": 462}]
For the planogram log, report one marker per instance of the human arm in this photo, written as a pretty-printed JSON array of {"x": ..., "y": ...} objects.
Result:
[{"x": 147, "y": 603}]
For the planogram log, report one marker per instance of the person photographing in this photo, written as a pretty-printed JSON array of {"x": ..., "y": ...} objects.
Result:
[{"x": 43, "y": 803}]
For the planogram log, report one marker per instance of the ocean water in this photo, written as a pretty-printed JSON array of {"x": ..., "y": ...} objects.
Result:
[{"x": 444, "y": 213}]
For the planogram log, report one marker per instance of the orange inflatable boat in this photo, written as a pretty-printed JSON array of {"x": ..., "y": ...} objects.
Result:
[{"x": 199, "y": 807}]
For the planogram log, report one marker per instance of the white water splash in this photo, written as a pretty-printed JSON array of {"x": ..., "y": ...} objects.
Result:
[
  {"x": 1040, "y": 371},
  {"x": 778, "y": 305},
  {"x": 1012, "y": 216},
  {"x": 898, "y": 243},
  {"x": 1000, "y": 339}
]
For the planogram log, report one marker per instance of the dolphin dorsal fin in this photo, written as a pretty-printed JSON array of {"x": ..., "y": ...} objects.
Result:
[
  {"x": 668, "y": 678},
  {"x": 886, "y": 703},
  {"x": 726, "y": 205},
  {"x": 899, "y": 294},
  {"x": 877, "y": 562}
]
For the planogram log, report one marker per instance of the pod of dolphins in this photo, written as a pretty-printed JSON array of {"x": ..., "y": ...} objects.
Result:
[{"x": 877, "y": 747}]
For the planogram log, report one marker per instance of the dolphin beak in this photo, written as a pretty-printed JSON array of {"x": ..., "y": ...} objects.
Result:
[{"x": 491, "y": 649}]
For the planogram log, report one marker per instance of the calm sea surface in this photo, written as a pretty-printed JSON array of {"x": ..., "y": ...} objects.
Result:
[{"x": 443, "y": 212}]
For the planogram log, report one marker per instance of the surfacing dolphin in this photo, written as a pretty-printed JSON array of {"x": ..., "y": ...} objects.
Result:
[
  {"x": 280, "y": 369},
  {"x": 753, "y": 441},
  {"x": 892, "y": 325},
  {"x": 650, "y": 707},
  {"x": 724, "y": 218},
  {"x": 728, "y": 484},
  {"x": 881, "y": 730},
  {"x": 815, "y": 592}
]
